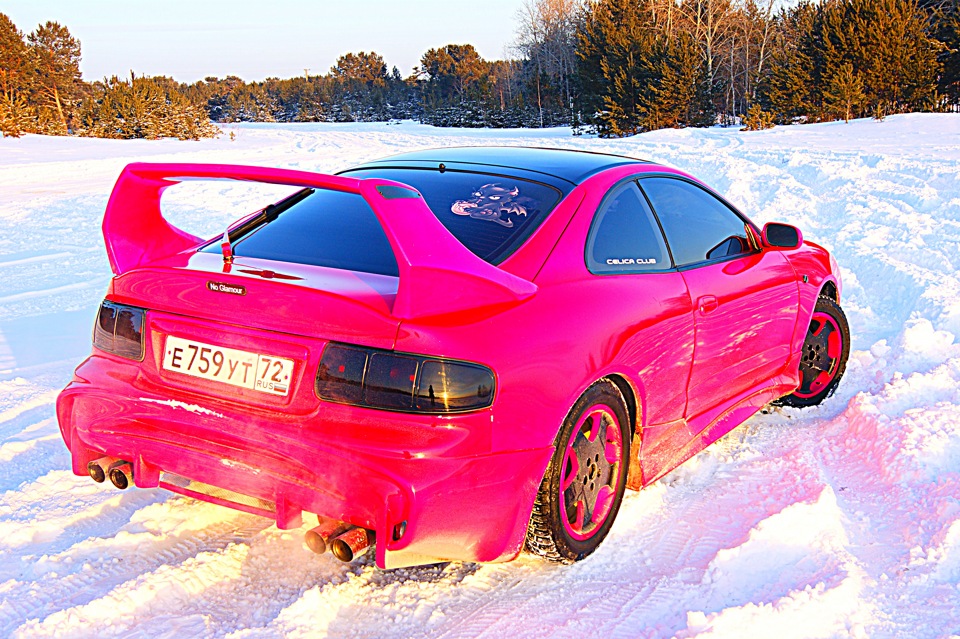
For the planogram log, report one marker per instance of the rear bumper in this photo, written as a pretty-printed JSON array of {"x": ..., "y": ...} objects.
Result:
[{"x": 457, "y": 499}]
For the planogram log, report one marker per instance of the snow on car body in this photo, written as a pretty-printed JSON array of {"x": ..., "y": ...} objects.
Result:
[{"x": 453, "y": 351}]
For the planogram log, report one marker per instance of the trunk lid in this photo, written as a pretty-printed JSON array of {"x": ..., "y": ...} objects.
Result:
[
  {"x": 251, "y": 332},
  {"x": 311, "y": 301}
]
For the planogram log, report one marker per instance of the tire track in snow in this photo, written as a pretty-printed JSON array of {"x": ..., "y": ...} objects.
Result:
[
  {"x": 84, "y": 572},
  {"x": 24, "y": 457},
  {"x": 891, "y": 217},
  {"x": 656, "y": 554},
  {"x": 49, "y": 292}
]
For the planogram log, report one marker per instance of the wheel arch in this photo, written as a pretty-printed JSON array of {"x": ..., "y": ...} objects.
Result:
[
  {"x": 629, "y": 397},
  {"x": 829, "y": 289},
  {"x": 544, "y": 536},
  {"x": 635, "y": 413}
]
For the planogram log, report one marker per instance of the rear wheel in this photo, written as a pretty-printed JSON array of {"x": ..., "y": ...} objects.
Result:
[
  {"x": 582, "y": 489},
  {"x": 824, "y": 358}
]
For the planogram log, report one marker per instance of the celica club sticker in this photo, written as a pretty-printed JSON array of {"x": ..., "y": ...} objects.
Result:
[{"x": 264, "y": 373}]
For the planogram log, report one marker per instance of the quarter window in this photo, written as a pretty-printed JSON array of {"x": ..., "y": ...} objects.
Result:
[
  {"x": 699, "y": 227},
  {"x": 625, "y": 237}
]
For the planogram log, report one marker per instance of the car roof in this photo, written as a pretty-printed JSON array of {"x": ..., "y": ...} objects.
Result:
[{"x": 568, "y": 165}]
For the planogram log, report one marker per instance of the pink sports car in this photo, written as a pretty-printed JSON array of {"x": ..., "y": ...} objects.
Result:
[{"x": 444, "y": 355}]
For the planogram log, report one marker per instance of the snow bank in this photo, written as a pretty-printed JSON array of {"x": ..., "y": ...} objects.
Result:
[{"x": 839, "y": 521}]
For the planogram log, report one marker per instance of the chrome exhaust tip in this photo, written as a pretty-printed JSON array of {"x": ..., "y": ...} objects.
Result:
[
  {"x": 121, "y": 474},
  {"x": 318, "y": 538},
  {"x": 97, "y": 469},
  {"x": 351, "y": 544}
]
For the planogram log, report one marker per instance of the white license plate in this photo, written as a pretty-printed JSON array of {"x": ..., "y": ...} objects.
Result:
[{"x": 264, "y": 373}]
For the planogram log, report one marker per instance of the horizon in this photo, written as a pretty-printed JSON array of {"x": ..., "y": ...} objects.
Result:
[{"x": 220, "y": 38}]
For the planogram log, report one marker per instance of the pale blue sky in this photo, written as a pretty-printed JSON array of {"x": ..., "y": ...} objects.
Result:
[{"x": 191, "y": 39}]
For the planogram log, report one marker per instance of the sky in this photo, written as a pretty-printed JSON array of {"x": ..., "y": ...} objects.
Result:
[{"x": 191, "y": 39}]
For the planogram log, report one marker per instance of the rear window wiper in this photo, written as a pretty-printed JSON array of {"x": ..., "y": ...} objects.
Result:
[{"x": 267, "y": 215}]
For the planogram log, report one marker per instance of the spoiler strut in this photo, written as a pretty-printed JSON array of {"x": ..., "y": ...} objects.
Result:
[{"x": 438, "y": 274}]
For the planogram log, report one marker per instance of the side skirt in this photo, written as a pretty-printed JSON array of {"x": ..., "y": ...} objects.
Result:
[{"x": 715, "y": 423}]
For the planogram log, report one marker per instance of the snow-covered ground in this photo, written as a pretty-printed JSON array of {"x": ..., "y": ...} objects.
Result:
[{"x": 840, "y": 521}]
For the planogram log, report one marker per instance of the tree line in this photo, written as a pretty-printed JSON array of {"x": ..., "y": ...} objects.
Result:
[
  {"x": 42, "y": 91},
  {"x": 616, "y": 67},
  {"x": 649, "y": 64}
]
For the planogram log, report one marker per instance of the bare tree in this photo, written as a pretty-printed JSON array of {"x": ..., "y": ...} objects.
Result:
[
  {"x": 663, "y": 13},
  {"x": 547, "y": 36},
  {"x": 710, "y": 22},
  {"x": 757, "y": 28},
  {"x": 750, "y": 35}
]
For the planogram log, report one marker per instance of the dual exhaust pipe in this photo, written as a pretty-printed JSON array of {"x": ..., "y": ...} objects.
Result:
[
  {"x": 119, "y": 471},
  {"x": 345, "y": 541}
]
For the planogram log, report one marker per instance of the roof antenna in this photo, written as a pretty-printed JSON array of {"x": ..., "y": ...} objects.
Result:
[{"x": 226, "y": 248}]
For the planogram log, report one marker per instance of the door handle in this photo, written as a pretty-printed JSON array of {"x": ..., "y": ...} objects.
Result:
[{"x": 707, "y": 304}]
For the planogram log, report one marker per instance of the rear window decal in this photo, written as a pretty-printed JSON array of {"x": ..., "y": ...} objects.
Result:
[{"x": 495, "y": 203}]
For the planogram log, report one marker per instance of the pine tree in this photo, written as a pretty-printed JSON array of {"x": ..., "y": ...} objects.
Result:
[
  {"x": 57, "y": 84},
  {"x": 14, "y": 81},
  {"x": 361, "y": 81},
  {"x": 616, "y": 45},
  {"x": 886, "y": 43},
  {"x": 679, "y": 94},
  {"x": 757, "y": 119},
  {"x": 946, "y": 29},
  {"x": 843, "y": 91},
  {"x": 143, "y": 107},
  {"x": 249, "y": 103},
  {"x": 14, "y": 118},
  {"x": 455, "y": 86}
]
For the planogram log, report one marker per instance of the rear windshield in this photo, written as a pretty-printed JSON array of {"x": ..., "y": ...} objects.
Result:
[
  {"x": 490, "y": 214},
  {"x": 325, "y": 228}
]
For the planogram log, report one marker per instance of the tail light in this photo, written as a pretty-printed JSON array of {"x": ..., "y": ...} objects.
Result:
[
  {"x": 402, "y": 382},
  {"x": 119, "y": 330}
]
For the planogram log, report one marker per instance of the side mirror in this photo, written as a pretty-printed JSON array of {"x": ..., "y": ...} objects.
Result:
[{"x": 781, "y": 235}]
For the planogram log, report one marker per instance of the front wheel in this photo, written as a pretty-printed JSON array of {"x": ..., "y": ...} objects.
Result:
[
  {"x": 581, "y": 491},
  {"x": 824, "y": 358}
]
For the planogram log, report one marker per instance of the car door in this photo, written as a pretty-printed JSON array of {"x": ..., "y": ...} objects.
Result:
[
  {"x": 745, "y": 299},
  {"x": 626, "y": 248}
]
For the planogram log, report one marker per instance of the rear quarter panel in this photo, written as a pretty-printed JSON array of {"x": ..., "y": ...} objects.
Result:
[{"x": 576, "y": 329}]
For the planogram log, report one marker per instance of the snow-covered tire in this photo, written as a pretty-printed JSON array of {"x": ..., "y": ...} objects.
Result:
[
  {"x": 824, "y": 358},
  {"x": 583, "y": 486}
]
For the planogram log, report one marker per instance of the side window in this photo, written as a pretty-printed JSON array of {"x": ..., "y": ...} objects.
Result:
[
  {"x": 625, "y": 237},
  {"x": 699, "y": 227}
]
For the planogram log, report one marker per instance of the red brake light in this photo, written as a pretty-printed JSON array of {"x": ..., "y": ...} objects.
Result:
[
  {"x": 340, "y": 376},
  {"x": 119, "y": 330},
  {"x": 402, "y": 382}
]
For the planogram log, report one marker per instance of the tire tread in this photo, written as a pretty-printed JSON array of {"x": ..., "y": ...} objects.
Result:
[
  {"x": 805, "y": 402},
  {"x": 541, "y": 539}
]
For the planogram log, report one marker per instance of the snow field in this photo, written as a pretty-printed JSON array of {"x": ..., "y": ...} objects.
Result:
[{"x": 838, "y": 521}]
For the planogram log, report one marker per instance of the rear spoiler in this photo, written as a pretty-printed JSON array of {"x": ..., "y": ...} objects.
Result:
[{"x": 438, "y": 274}]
